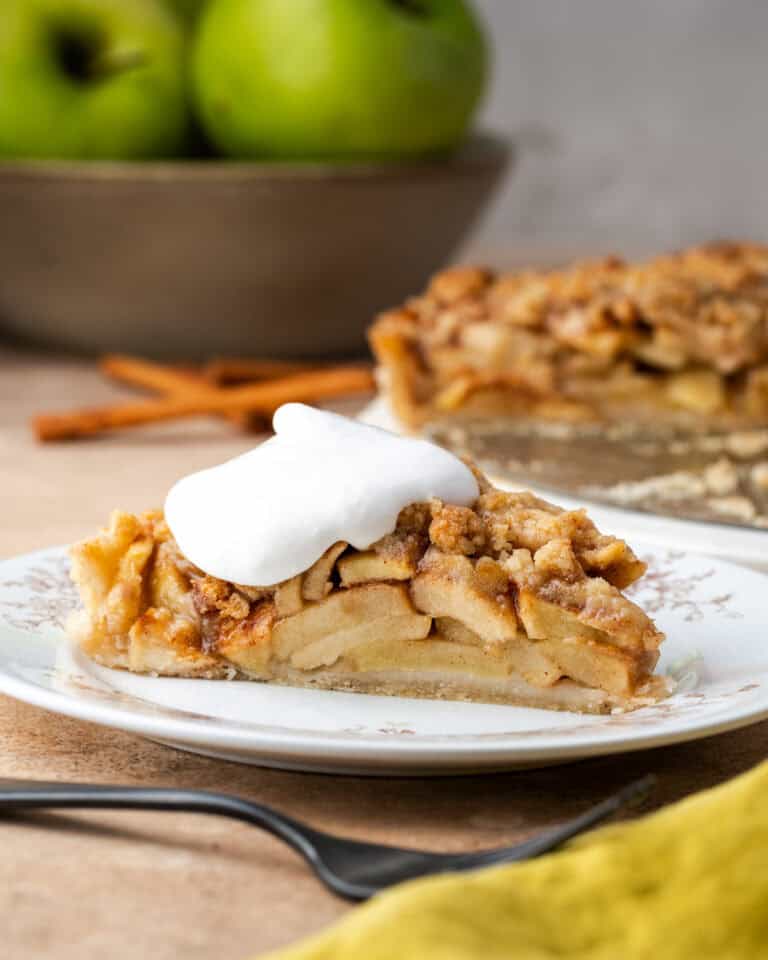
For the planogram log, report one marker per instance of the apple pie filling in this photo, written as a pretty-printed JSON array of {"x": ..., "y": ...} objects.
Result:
[{"x": 510, "y": 600}]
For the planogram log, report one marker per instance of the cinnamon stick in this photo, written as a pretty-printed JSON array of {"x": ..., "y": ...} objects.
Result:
[
  {"x": 227, "y": 370},
  {"x": 166, "y": 379},
  {"x": 159, "y": 377},
  {"x": 263, "y": 398}
]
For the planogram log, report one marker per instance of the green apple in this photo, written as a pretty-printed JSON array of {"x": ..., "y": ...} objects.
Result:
[
  {"x": 189, "y": 10},
  {"x": 91, "y": 79},
  {"x": 337, "y": 79}
]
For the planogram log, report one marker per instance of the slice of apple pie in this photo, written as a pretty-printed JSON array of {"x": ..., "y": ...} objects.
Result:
[{"x": 509, "y": 600}]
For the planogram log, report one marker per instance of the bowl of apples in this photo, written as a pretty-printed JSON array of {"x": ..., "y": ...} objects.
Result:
[{"x": 188, "y": 177}]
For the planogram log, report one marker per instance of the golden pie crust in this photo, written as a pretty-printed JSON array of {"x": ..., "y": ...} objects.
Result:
[
  {"x": 682, "y": 339},
  {"x": 512, "y": 600}
]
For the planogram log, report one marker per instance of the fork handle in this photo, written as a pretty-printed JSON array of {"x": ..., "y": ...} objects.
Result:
[{"x": 39, "y": 794}]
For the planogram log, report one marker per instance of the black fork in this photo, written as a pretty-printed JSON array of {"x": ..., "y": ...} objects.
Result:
[{"x": 350, "y": 868}]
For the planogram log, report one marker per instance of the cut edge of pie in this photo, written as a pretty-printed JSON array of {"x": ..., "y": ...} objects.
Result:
[
  {"x": 512, "y": 601},
  {"x": 681, "y": 339}
]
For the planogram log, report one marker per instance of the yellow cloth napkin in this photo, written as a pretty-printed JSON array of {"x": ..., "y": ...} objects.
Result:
[{"x": 687, "y": 883}]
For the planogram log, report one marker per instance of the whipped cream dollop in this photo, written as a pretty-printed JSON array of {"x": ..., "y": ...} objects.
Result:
[{"x": 269, "y": 514}]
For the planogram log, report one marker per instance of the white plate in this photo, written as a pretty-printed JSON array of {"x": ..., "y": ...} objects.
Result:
[{"x": 714, "y": 615}]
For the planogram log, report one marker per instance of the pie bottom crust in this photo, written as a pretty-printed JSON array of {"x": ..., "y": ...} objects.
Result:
[{"x": 512, "y": 690}]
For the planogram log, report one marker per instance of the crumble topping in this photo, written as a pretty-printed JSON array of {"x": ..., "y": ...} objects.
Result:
[{"x": 456, "y": 529}]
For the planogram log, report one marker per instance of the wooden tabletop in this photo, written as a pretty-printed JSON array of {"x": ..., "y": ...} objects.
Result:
[{"x": 162, "y": 886}]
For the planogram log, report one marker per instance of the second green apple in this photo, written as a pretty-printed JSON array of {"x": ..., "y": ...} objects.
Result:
[{"x": 337, "y": 79}]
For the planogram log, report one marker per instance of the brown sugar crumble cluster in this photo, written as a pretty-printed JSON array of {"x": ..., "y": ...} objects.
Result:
[
  {"x": 683, "y": 337},
  {"x": 510, "y": 600}
]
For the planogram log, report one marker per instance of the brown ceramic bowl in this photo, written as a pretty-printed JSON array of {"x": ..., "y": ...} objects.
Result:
[{"x": 191, "y": 259}]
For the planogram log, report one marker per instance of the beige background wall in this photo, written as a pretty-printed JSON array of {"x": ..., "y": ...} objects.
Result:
[{"x": 640, "y": 125}]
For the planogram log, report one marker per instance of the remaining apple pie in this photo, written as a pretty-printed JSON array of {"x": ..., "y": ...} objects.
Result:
[
  {"x": 682, "y": 338},
  {"x": 509, "y": 600}
]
